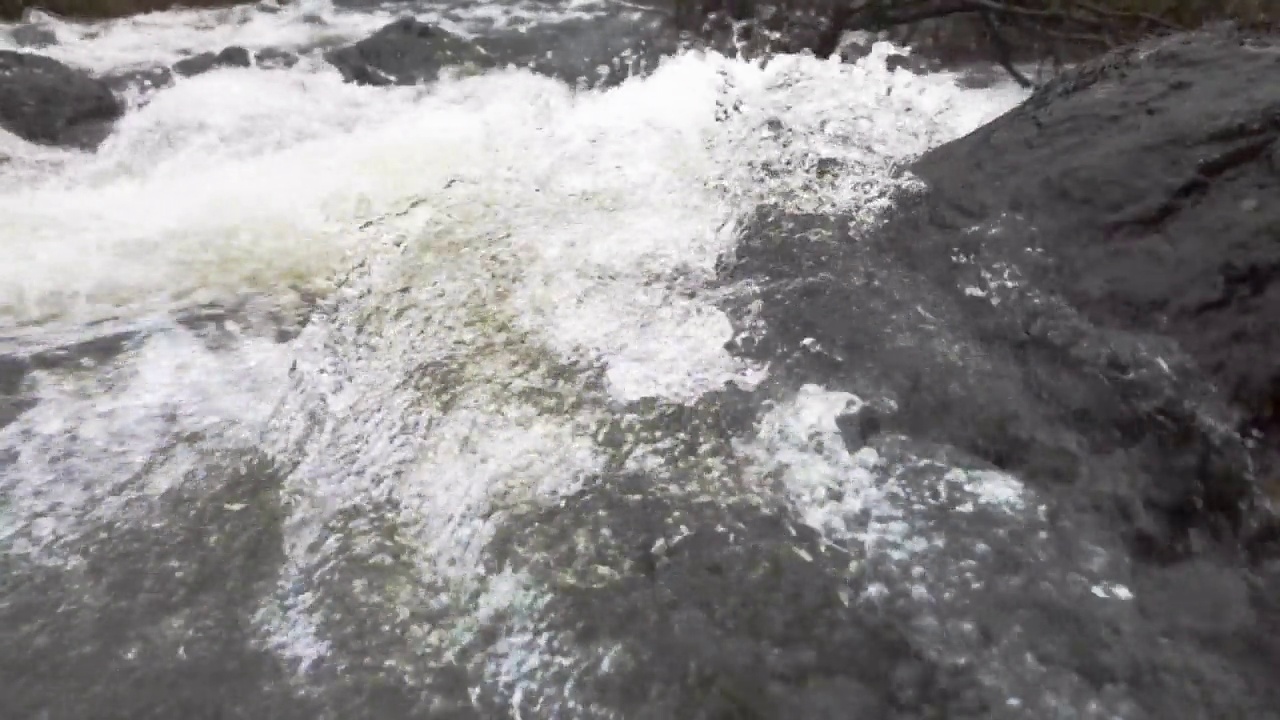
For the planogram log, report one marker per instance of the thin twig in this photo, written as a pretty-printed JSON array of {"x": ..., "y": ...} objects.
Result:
[
  {"x": 1077, "y": 37},
  {"x": 1104, "y": 12},
  {"x": 1002, "y": 8},
  {"x": 1004, "y": 53},
  {"x": 893, "y": 19}
]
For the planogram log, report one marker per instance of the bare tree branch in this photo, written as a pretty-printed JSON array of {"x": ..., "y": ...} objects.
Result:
[
  {"x": 1153, "y": 19},
  {"x": 1005, "y": 31},
  {"x": 1004, "y": 53}
]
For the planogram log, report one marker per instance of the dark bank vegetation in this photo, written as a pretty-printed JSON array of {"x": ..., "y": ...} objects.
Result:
[
  {"x": 945, "y": 32},
  {"x": 951, "y": 32}
]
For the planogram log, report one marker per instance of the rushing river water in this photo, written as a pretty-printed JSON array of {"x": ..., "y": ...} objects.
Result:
[{"x": 310, "y": 391}]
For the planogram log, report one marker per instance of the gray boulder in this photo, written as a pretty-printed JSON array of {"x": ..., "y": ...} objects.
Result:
[
  {"x": 142, "y": 81},
  {"x": 45, "y": 101},
  {"x": 204, "y": 62},
  {"x": 596, "y": 52},
  {"x": 149, "y": 80},
  {"x": 274, "y": 58},
  {"x": 1146, "y": 182},
  {"x": 1085, "y": 295},
  {"x": 406, "y": 52},
  {"x": 33, "y": 36}
]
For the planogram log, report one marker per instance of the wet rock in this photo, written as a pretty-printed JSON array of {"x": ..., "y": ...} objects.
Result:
[
  {"x": 204, "y": 62},
  {"x": 155, "y": 622},
  {"x": 13, "y": 373},
  {"x": 47, "y": 102},
  {"x": 980, "y": 76},
  {"x": 1198, "y": 597},
  {"x": 719, "y": 610},
  {"x": 272, "y": 58},
  {"x": 911, "y": 63},
  {"x": 1083, "y": 297},
  {"x": 1128, "y": 191},
  {"x": 1070, "y": 323},
  {"x": 859, "y": 428},
  {"x": 11, "y": 408},
  {"x": 13, "y": 370},
  {"x": 143, "y": 81},
  {"x": 951, "y": 40},
  {"x": 406, "y": 52},
  {"x": 594, "y": 52},
  {"x": 854, "y": 46},
  {"x": 33, "y": 36},
  {"x": 771, "y": 29}
]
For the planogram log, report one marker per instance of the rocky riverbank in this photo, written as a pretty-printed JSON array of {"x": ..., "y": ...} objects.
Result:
[{"x": 1084, "y": 293}]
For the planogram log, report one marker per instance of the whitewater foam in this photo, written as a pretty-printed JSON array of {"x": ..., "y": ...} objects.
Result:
[
  {"x": 502, "y": 266},
  {"x": 162, "y": 38},
  {"x": 101, "y": 438}
]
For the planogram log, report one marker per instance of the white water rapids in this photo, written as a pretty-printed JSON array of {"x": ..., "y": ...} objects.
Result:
[{"x": 502, "y": 266}]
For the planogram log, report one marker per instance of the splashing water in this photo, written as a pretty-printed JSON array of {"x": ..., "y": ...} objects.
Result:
[{"x": 505, "y": 282}]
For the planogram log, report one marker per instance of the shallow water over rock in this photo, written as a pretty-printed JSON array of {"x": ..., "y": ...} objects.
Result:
[{"x": 603, "y": 380}]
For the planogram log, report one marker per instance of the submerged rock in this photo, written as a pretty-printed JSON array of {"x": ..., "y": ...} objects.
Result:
[
  {"x": 147, "y": 80},
  {"x": 33, "y": 36},
  {"x": 597, "y": 52},
  {"x": 204, "y": 62},
  {"x": 45, "y": 101},
  {"x": 141, "y": 81},
  {"x": 406, "y": 52},
  {"x": 1084, "y": 296},
  {"x": 273, "y": 58}
]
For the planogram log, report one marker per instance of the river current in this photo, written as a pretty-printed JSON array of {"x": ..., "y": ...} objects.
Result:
[{"x": 296, "y": 369}]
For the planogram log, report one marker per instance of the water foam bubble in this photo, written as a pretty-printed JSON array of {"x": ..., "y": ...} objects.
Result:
[{"x": 533, "y": 260}]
